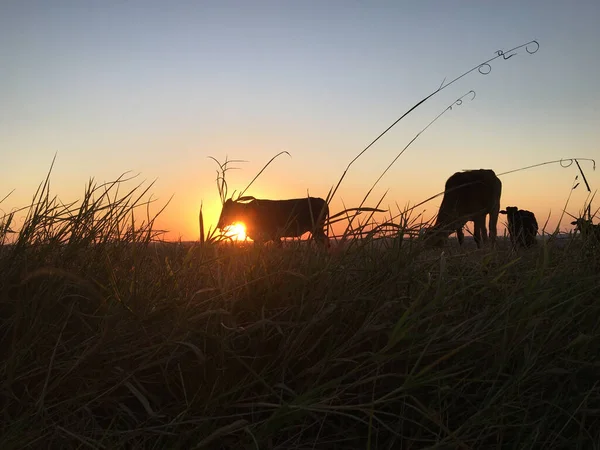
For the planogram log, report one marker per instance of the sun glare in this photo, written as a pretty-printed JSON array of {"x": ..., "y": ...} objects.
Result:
[{"x": 236, "y": 231}]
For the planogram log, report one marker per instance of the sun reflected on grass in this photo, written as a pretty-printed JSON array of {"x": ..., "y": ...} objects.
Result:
[{"x": 237, "y": 232}]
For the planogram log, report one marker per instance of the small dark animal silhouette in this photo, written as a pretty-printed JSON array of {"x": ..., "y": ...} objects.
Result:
[
  {"x": 270, "y": 220},
  {"x": 469, "y": 196},
  {"x": 587, "y": 228},
  {"x": 522, "y": 226}
]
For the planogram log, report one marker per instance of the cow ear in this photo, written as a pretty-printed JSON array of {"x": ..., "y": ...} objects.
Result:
[{"x": 503, "y": 212}]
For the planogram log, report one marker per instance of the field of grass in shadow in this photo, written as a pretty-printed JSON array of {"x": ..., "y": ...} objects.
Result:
[{"x": 111, "y": 340}]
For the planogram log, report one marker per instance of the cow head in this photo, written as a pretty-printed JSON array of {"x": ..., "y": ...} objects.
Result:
[
  {"x": 233, "y": 211},
  {"x": 510, "y": 211},
  {"x": 436, "y": 236},
  {"x": 582, "y": 224}
]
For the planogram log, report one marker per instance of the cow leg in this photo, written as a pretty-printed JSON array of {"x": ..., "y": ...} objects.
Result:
[
  {"x": 320, "y": 238},
  {"x": 521, "y": 239},
  {"x": 480, "y": 233},
  {"x": 477, "y": 236},
  {"x": 483, "y": 230},
  {"x": 514, "y": 238},
  {"x": 257, "y": 243},
  {"x": 493, "y": 225},
  {"x": 460, "y": 235},
  {"x": 477, "y": 233}
]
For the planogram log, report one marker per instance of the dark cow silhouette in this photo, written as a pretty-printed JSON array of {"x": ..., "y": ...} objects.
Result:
[
  {"x": 587, "y": 228},
  {"x": 270, "y": 220},
  {"x": 468, "y": 196},
  {"x": 522, "y": 226}
]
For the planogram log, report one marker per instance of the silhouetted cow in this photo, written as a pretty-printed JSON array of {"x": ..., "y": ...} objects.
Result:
[
  {"x": 468, "y": 196},
  {"x": 587, "y": 229},
  {"x": 270, "y": 220},
  {"x": 522, "y": 226}
]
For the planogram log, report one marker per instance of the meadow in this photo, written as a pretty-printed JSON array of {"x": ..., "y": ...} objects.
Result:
[{"x": 113, "y": 339}]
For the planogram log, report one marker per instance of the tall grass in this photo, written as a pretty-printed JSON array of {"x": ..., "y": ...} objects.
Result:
[{"x": 112, "y": 339}]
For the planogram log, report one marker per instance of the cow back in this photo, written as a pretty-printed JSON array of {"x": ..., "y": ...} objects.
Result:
[
  {"x": 470, "y": 193},
  {"x": 286, "y": 218},
  {"x": 528, "y": 221}
]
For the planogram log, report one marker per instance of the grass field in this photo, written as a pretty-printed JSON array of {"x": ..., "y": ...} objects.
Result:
[{"x": 110, "y": 340}]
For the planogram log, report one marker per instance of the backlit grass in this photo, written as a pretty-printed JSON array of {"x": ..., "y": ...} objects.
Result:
[{"x": 112, "y": 340}]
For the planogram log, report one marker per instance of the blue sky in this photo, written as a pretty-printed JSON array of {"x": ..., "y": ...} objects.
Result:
[{"x": 155, "y": 87}]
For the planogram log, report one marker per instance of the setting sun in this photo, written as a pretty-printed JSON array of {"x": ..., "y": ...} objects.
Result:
[{"x": 236, "y": 231}]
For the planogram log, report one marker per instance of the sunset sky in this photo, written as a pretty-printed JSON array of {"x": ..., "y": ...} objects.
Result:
[{"x": 155, "y": 87}]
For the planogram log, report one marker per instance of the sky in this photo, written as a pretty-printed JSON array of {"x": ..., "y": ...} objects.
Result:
[{"x": 156, "y": 87}]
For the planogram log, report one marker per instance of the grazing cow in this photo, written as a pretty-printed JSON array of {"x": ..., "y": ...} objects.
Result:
[
  {"x": 468, "y": 196},
  {"x": 587, "y": 228},
  {"x": 270, "y": 220},
  {"x": 522, "y": 226}
]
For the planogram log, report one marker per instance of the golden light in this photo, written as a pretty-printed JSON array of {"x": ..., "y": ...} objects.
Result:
[{"x": 237, "y": 231}]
